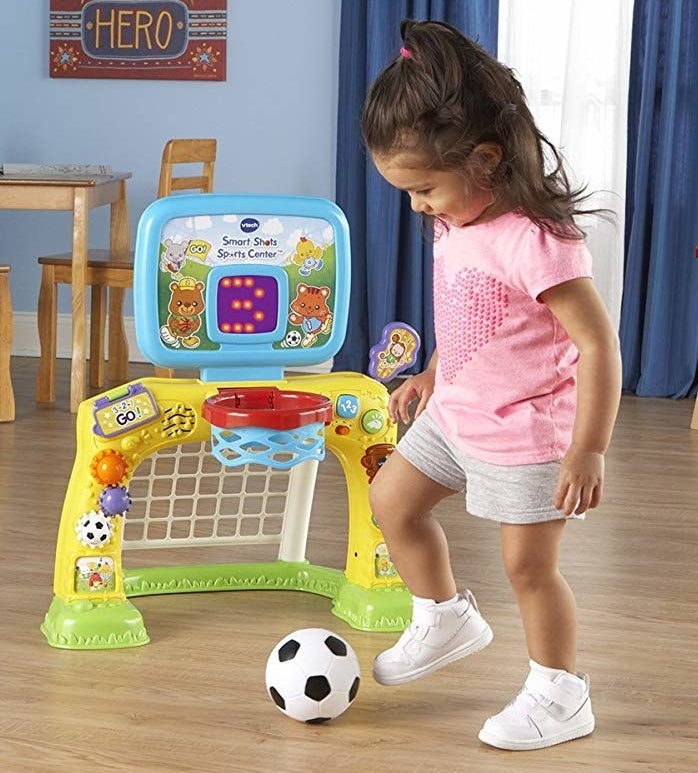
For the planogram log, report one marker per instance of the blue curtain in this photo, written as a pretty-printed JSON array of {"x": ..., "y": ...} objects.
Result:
[
  {"x": 391, "y": 259},
  {"x": 659, "y": 316}
]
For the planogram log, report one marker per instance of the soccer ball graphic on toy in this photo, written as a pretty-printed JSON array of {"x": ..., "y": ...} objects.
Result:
[
  {"x": 94, "y": 529},
  {"x": 312, "y": 675},
  {"x": 293, "y": 338}
]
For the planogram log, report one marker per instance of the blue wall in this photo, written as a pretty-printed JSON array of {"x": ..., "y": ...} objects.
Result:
[{"x": 274, "y": 118}]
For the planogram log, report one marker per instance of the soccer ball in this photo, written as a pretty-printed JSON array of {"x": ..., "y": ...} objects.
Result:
[
  {"x": 293, "y": 338},
  {"x": 94, "y": 529},
  {"x": 312, "y": 675}
]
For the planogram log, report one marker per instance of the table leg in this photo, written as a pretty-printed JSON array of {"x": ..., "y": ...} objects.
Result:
[
  {"x": 98, "y": 318},
  {"x": 7, "y": 398},
  {"x": 79, "y": 270},
  {"x": 119, "y": 243},
  {"x": 48, "y": 313}
]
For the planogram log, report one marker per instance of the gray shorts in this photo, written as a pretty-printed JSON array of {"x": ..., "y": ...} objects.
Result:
[{"x": 522, "y": 493}]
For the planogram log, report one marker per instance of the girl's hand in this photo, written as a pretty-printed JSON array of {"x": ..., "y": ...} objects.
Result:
[
  {"x": 419, "y": 387},
  {"x": 580, "y": 486}
]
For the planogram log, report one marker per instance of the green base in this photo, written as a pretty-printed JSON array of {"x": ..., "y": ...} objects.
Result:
[
  {"x": 88, "y": 625},
  {"x": 374, "y": 609},
  {"x": 277, "y": 575},
  {"x": 368, "y": 609}
]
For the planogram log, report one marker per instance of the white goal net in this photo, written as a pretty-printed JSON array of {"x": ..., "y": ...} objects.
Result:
[{"x": 183, "y": 496}]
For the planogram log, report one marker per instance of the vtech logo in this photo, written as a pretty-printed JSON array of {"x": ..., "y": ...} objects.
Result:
[{"x": 249, "y": 224}]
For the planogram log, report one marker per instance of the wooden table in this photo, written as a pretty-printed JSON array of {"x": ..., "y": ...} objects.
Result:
[{"x": 79, "y": 195}]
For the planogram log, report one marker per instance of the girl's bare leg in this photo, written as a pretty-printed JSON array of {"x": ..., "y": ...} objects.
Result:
[
  {"x": 546, "y": 603},
  {"x": 401, "y": 500}
]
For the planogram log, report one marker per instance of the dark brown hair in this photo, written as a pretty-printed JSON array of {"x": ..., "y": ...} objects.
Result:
[{"x": 443, "y": 96}]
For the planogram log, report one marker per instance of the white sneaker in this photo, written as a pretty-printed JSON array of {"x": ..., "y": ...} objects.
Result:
[
  {"x": 437, "y": 635},
  {"x": 546, "y": 712}
]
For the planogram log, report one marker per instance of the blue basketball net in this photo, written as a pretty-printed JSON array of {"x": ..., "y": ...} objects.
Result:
[{"x": 280, "y": 449}]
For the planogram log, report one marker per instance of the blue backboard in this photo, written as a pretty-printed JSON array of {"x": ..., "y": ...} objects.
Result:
[{"x": 241, "y": 286}]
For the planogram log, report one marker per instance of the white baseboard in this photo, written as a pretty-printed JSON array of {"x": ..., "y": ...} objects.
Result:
[
  {"x": 25, "y": 340},
  {"x": 25, "y": 336}
]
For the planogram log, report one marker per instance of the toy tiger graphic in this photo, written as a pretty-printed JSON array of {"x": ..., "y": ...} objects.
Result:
[{"x": 309, "y": 310}]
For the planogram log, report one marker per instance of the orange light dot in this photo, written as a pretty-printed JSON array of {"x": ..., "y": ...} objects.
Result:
[
  {"x": 235, "y": 305},
  {"x": 259, "y": 292},
  {"x": 237, "y": 327},
  {"x": 249, "y": 327},
  {"x": 226, "y": 282},
  {"x": 247, "y": 305},
  {"x": 225, "y": 327},
  {"x": 342, "y": 430},
  {"x": 249, "y": 282},
  {"x": 258, "y": 315},
  {"x": 237, "y": 282}
]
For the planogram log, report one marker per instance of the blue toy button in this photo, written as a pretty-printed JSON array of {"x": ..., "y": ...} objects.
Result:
[{"x": 347, "y": 406}]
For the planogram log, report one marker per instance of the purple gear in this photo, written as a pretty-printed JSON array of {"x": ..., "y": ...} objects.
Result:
[{"x": 115, "y": 500}]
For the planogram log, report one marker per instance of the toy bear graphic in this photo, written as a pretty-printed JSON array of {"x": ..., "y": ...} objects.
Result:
[{"x": 185, "y": 306}]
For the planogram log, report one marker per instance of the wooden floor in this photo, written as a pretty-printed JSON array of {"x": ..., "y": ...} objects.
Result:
[{"x": 193, "y": 701}]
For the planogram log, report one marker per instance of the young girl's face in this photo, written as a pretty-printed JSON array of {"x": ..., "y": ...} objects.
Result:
[{"x": 448, "y": 196}]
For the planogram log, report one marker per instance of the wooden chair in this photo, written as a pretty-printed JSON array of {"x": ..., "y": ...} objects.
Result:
[
  {"x": 7, "y": 397},
  {"x": 112, "y": 272}
]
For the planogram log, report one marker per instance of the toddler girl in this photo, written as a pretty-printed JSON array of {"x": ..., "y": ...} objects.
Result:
[{"x": 520, "y": 396}]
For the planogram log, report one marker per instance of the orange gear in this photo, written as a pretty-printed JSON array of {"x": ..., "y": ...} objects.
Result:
[{"x": 108, "y": 467}]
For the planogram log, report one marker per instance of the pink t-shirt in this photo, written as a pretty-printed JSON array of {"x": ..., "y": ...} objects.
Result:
[{"x": 506, "y": 380}]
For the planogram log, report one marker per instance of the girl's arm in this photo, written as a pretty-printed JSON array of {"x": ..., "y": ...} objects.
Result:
[{"x": 580, "y": 310}]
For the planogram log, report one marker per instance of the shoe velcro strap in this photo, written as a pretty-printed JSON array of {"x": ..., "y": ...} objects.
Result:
[
  {"x": 538, "y": 684},
  {"x": 427, "y": 617},
  {"x": 471, "y": 599}
]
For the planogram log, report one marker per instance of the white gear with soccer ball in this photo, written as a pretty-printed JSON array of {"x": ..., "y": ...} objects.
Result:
[{"x": 94, "y": 529}]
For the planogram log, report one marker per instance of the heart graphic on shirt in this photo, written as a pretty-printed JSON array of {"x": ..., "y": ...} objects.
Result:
[{"x": 468, "y": 312}]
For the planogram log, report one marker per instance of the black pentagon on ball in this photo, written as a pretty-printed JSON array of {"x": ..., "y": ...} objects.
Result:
[
  {"x": 354, "y": 689},
  {"x": 336, "y": 646},
  {"x": 317, "y": 687},
  {"x": 317, "y": 720},
  {"x": 276, "y": 697},
  {"x": 288, "y": 651}
]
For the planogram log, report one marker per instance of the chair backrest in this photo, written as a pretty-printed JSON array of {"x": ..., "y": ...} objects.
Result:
[{"x": 187, "y": 152}]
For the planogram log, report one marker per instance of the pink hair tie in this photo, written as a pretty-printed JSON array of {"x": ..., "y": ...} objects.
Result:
[{"x": 406, "y": 53}]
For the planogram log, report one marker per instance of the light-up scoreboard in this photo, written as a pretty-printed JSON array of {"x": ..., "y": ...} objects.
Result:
[
  {"x": 241, "y": 286},
  {"x": 247, "y": 302}
]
